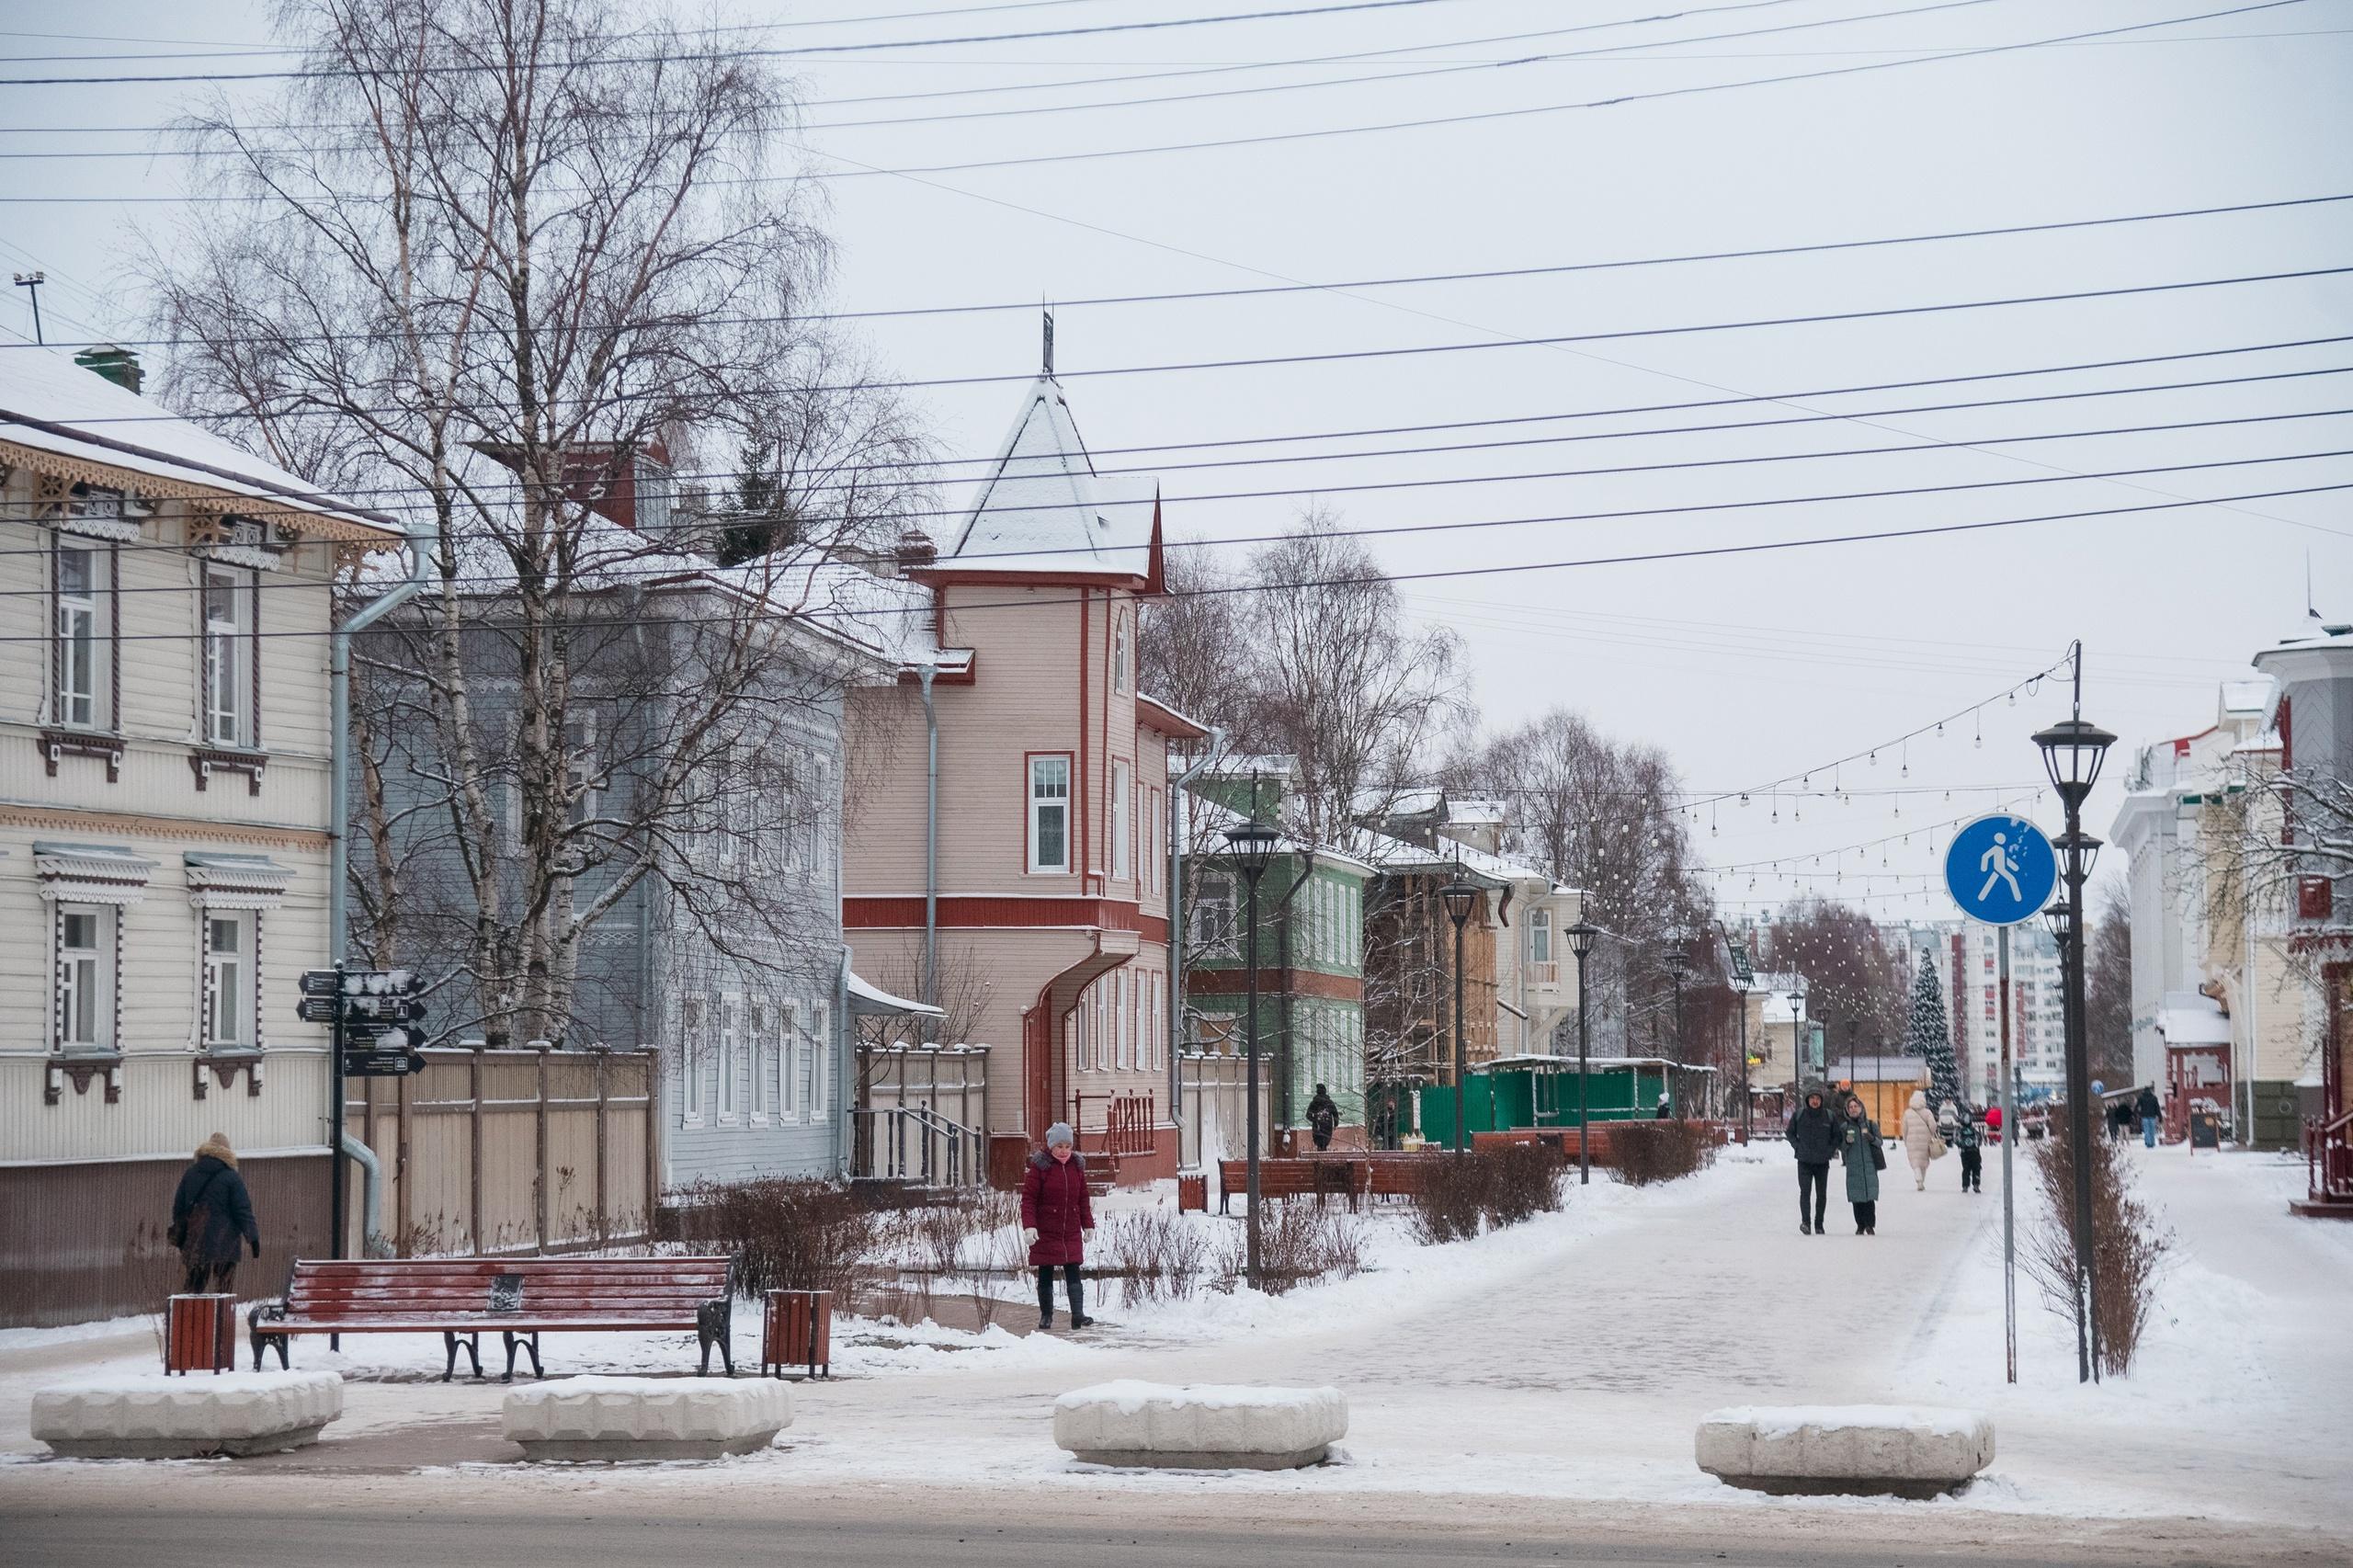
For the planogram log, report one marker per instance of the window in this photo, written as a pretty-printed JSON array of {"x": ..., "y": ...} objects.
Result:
[
  {"x": 1540, "y": 934},
  {"x": 84, "y": 977},
  {"x": 731, "y": 1032},
  {"x": 690, "y": 1059},
  {"x": 228, "y": 656},
  {"x": 84, "y": 660},
  {"x": 581, "y": 775},
  {"x": 788, "y": 1067},
  {"x": 1120, "y": 653},
  {"x": 229, "y": 979},
  {"x": 1123, "y": 989},
  {"x": 653, "y": 491},
  {"x": 1122, "y": 792},
  {"x": 1049, "y": 814},
  {"x": 821, "y": 1074},
  {"x": 757, "y": 1046},
  {"x": 1212, "y": 916}
]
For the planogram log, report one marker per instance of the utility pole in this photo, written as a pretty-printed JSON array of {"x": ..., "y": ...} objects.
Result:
[{"x": 30, "y": 283}]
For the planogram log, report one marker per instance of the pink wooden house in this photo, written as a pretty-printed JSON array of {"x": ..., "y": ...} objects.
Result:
[{"x": 1052, "y": 799}]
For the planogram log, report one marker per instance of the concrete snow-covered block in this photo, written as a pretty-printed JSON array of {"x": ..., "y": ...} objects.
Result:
[
  {"x": 1899, "y": 1451},
  {"x": 157, "y": 1417},
  {"x": 646, "y": 1418},
  {"x": 1200, "y": 1428}
]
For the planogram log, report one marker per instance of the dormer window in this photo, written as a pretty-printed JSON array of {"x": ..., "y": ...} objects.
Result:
[{"x": 654, "y": 492}]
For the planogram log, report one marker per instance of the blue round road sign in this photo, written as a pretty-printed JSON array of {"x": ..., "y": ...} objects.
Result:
[{"x": 2001, "y": 870}]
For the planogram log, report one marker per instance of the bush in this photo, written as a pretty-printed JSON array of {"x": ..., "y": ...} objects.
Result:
[
  {"x": 2128, "y": 1248},
  {"x": 1156, "y": 1254},
  {"x": 1496, "y": 1187},
  {"x": 1299, "y": 1244},
  {"x": 784, "y": 1234},
  {"x": 1643, "y": 1153}
]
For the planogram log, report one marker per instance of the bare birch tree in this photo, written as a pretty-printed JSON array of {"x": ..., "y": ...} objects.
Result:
[{"x": 495, "y": 258}]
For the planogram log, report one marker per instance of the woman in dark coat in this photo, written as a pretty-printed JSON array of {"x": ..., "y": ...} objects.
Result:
[
  {"x": 1859, "y": 1149},
  {"x": 1056, "y": 1218},
  {"x": 1322, "y": 1116},
  {"x": 210, "y": 1213}
]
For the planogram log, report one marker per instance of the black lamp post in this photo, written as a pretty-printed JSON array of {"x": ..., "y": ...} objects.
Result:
[
  {"x": 2073, "y": 750},
  {"x": 1743, "y": 976},
  {"x": 1253, "y": 844},
  {"x": 1678, "y": 970},
  {"x": 1460, "y": 896},
  {"x": 1582, "y": 935}
]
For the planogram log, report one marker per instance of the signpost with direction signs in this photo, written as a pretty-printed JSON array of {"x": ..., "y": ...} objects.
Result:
[
  {"x": 2001, "y": 870},
  {"x": 371, "y": 1016}
]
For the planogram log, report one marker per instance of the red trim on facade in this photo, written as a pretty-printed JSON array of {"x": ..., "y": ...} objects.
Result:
[
  {"x": 1275, "y": 982},
  {"x": 1003, "y": 911},
  {"x": 939, "y": 577}
]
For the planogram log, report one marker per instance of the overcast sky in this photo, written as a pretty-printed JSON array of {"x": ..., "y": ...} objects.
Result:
[{"x": 1744, "y": 669}]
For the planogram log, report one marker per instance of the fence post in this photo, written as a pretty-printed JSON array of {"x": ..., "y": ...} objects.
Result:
[
  {"x": 399, "y": 1176},
  {"x": 655, "y": 1131},
  {"x": 539, "y": 1115},
  {"x": 604, "y": 1097},
  {"x": 474, "y": 1156}
]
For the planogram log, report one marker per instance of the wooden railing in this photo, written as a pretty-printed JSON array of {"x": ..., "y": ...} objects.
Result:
[
  {"x": 1130, "y": 1125},
  {"x": 1546, "y": 973}
]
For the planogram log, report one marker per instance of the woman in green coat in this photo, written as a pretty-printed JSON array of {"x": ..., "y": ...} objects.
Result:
[{"x": 1859, "y": 1149}]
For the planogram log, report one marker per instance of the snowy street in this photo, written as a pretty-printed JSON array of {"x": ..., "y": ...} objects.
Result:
[{"x": 1526, "y": 1382}]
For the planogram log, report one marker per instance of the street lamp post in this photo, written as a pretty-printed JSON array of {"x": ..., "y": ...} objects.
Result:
[
  {"x": 1582, "y": 935},
  {"x": 1462, "y": 895},
  {"x": 1797, "y": 1050},
  {"x": 1678, "y": 970},
  {"x": 2073, "y": 750},
  {"x": 1254, "y": 847},
  {"x": 1743, "y": 977}
]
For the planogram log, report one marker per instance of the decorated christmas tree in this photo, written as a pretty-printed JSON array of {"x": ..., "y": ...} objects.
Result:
[{"x": 1929, "y": 1035}]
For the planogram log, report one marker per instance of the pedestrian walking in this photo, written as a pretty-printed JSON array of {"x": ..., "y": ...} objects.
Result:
[
  {"x": 1969, "y": 1137},
  {"x": 1919, "y": 1138},
  {"x": 1323, "y": 1118},
  {"x": 2147, "y": 1108},
  {"x": 1662, "y": 1111},
  {"x": 1057, "y": 1216},
  {"x": 1859, "y": 1151},
  {"x": 2120, "y": 1120},
  {"x": 212, "y": 1213},
  {"x": 1813, "y": 1139},
  {"x": 1993, "y": 1124}
]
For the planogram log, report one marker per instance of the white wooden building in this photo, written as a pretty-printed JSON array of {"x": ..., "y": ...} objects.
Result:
[{"x": 165, "y": 831}]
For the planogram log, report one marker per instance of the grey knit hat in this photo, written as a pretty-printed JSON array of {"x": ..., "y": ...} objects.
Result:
[{"x": 1060, "y": 1133}]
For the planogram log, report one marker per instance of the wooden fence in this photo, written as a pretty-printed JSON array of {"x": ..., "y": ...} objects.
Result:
[{"x": 497, "y": 1152}]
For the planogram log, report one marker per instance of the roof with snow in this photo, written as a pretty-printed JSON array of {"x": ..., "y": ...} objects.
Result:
[
  {"x": 2190, "y": 1017},
  {"x": 1042, "y": 510},
  {"x": 2242, "y": 696},
  {"x": 1208, "y": 814},
  {"x": 58, "y": 417}
]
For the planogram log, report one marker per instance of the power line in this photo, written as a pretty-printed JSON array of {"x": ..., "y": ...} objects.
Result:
[
  {"x": 1405, "y": 280},
  {"x": 802, "y": 51},
  {"x": 1034, "y": 601}
]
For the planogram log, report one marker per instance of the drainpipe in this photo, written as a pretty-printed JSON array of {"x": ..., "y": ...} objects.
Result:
[
  {"x": 929, "y": 669},
  {"x": 372, "y": 1197},
  {"x": 339, "y": 869},
  {"x": 1177, "y": 929}
]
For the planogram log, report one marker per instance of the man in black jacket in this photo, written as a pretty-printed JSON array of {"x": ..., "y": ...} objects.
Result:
[
  {"x": 1813, "y": 1137},
  {"x": 210, "y": 1213}
]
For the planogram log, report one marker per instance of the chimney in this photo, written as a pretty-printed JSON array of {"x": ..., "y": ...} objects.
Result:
[
  {"x": 916, "y": 548},
  {"x": 119, "y": 366}
]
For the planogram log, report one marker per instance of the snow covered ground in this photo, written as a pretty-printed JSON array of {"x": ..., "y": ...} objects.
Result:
[{"x": 1568, "y": 1358}]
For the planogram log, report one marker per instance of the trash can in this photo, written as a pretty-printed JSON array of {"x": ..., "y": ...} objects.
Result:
[
  {"x": 201, "y": 1334},
  {"x": 797, "y": 1331}
]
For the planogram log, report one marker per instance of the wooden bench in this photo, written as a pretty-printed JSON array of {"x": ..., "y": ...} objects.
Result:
[
  {"x": 519, "y": 1298},
  {"x": 1320, "y": 1178}
]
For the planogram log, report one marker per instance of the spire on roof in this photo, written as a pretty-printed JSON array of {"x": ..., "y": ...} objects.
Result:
[{"x": 1048, "y": 369}]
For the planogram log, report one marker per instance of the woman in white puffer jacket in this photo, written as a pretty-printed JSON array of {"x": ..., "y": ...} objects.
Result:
[{"x": 1919, "y": 1137}]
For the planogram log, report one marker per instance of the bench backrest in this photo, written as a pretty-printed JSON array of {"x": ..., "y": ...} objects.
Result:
[{"x": 654, "y": 1290}]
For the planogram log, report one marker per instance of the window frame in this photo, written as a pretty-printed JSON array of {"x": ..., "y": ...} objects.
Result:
[
  {"x": 756, "y": 1051},
  {"x": 101, "y": 997},
  {"x": 102, "y": 607},
  {"x": 690, "y": 1085},
  {"x": 242, "y": 969},
  {"x": 240, "y": 587},
  {"x": 731, "y": 1036},
  {"x": 1122, "y": 819},
  {"x": 1539, "y": 936},
  {"x": 792, "y": 1100},
  {"x": 1034, "y": 804},
  {"x": 821, "y": 1066}
]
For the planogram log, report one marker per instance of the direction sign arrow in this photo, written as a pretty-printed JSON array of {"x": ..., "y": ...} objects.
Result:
[
  {"x": 321, "y": 982},
  {"x": 315, "y": 1009},
  {"x": 2001, "y": 869}
]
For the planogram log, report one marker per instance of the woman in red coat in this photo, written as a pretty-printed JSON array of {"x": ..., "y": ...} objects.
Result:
[{"x": 1056, "y": 1218}]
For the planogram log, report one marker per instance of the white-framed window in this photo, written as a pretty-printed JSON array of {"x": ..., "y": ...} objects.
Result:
[
  {"x": 1540, "y": 934},
  {"x": 759, "y": 1047},
  {"x": 228, "y": 655},
  {"x": 821, "y": 1066},
  {"x": 1212, "y": 915},
  {"x": 1159, "y": 1021},
  {"x": 788, "y": 1068},
  {"x": 731, "y": 1037},
  {"x": 1122, "y": 820},
  {"x": 1120, "y": 653},
  {"x": 230, "y": 993},
  {"x": 690, "y": 1062},
  {"x": 1049, "y": 814},
  {"x": 83, "y": 663},
  {"x": 86, "y": 994},
  {"x": 582, "y": 778}
]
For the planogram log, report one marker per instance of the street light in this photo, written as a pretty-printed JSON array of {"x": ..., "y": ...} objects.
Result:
[
  {"x": 1460, "y": 896},
  {"x": 1678, "y": 970},
  {"x": 1797, "y": 1048},
  {"x": 1743, "y": 976},
  {"x": 1582, "y": 935},
  {"x": 2073, "y": 750},
  {"x": 1253, "y": 844}
]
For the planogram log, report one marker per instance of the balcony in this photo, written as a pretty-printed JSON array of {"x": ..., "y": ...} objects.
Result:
[{"x": 1544, "y": 973}]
